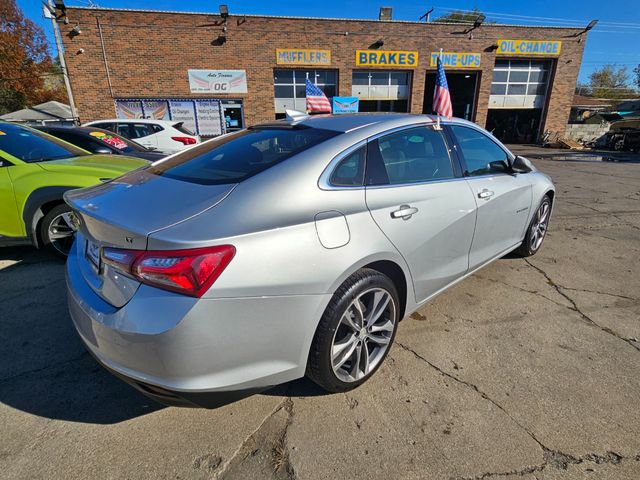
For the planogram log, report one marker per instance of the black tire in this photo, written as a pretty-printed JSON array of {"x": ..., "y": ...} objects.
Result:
[
  {"x": 61, "y": 246},
  {"x": 363, "y": 284},
  {"x": 530, "y": 246}
]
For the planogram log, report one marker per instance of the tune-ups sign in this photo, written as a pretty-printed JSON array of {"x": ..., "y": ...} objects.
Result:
[{"x": 218, "y": 81}]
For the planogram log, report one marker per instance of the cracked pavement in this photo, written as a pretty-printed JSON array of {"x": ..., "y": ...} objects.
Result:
[{"x": 528, "y": 369}]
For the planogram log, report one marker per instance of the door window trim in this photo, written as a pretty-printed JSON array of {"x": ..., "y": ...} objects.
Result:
[
  {"x": 460, "y": 155},
  {"x": 457, "y": 171},
  {"x": 324, "y": 182}
]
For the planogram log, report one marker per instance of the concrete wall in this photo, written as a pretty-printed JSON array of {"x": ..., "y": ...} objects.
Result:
[{"x": 585, "y": 131}]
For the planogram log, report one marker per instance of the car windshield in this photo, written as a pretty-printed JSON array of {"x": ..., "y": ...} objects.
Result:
[
  {"x": 235, "y": 157},
  {"x": 30, "y": 145}
]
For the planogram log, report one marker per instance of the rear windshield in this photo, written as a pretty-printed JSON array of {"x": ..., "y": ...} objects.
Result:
[
  {"x": 30, "y": 145},
  {"x": 234, "y": 157},
  {"x": 182, "y": 129}
]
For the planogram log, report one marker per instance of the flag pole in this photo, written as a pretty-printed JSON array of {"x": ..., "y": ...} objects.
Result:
[{"x": 438, "y": 127}]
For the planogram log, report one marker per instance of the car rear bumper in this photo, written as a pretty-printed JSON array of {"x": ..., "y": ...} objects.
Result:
[{"x": 183, "y": 350}]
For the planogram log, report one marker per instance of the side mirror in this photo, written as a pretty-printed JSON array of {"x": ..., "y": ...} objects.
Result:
[
  {"x": 103, "y": 151},
  {"x": 521, "y": 165}
]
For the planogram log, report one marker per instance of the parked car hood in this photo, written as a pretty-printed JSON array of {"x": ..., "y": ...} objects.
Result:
[
  {"x": 124, "y": 211},
  {"x": 118, "y": 164}
]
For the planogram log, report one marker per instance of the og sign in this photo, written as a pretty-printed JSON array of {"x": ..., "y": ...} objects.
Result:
[{"x": 218, "y": 81}]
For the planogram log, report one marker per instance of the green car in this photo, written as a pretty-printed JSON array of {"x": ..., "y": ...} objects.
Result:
[{"x": 35, "y": 170}]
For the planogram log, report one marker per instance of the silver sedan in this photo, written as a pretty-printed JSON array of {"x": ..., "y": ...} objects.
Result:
[{"x": 291, "y": 248}]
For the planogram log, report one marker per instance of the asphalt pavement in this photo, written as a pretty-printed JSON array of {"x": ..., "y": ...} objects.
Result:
[{"x": 528, "y": 369}]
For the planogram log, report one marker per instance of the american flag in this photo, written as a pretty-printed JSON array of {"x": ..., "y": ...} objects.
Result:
[
  {"x": 317, "y": 101},
  {"x": 441, "y": 97}
]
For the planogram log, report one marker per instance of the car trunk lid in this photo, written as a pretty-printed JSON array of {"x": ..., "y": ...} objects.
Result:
[{"x": 122, "y": 213}]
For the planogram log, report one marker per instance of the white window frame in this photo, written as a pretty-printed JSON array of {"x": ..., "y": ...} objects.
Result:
[
  {"x": 295, "y": 102},
  {"x": 525, "y": 100}
]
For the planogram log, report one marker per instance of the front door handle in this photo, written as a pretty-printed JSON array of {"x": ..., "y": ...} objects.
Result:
[
  {"x": 485, "y": 193},
  {"x": 405, "y": 212}
]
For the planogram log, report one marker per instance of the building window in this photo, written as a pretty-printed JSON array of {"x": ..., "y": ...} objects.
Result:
[
  {"x": 519, "y": 83},
  {"x": 382, "y": 91},
  {"x": 290, "y": 88}
]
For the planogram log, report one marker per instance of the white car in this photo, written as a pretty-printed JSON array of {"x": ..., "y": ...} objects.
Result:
[{"x": 162, "y": 135}]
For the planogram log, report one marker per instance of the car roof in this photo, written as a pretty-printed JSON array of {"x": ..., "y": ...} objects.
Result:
[
  {"x": 348, "y": 122},
  {"x": 79, "y": 130}
]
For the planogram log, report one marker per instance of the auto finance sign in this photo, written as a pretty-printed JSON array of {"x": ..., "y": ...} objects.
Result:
[{"x": 218, "y": 81}]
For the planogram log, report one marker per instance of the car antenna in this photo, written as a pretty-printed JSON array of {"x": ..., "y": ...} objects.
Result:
[{"x": 294, "y": 115}]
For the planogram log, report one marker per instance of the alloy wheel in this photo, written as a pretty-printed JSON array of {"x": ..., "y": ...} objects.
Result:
[
  {"x": 61, "y": 232},
  {"x": 539, "y": 226},
  {"x": 363, "y": 335}
]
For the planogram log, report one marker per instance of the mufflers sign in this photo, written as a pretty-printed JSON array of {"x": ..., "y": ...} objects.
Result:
[
  {"x": 218, "y": 81},
  {"x": 386, "y": 58}
]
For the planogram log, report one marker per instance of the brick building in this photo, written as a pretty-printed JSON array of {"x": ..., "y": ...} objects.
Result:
[{"x": 220, "y": 73}]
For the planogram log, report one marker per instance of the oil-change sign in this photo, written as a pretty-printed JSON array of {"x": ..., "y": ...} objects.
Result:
[
  {"x": 386, "y": 58},
  {"x": 545, "y": 48}
]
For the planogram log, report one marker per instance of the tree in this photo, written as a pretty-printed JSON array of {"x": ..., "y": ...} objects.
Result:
[
  {"x": 25, "y": 63},
  {"x": 610, "y": 82},
  {"x": 461, "y": 16},
  {"x": 636, "y": 72}
]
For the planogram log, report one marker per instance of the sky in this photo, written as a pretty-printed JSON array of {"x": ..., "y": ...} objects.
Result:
[{"x": 615, "y": 39}]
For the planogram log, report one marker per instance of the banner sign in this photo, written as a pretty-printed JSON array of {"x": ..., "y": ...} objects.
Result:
[
  {"x": 209, "y": 118},
  {"x": 184, "y": 111},
  {"x": 129, "y": 109},
  {"x": 529, "y": 47},
  {"x": 386, "y": 58},
  {"x": 345, "y": 105},
  {"x": 218, "y": 81},
  {"x": 456, "y": 59},
  {"x": 156, "y": 109},
  {"x": 294, "y": 56}
]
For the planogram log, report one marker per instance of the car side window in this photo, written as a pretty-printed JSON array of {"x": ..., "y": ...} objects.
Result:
[
  {"x": 413, "y": 155},
  {"x": 156, "y": 128},
  {"x": 480, "y": 154},
  {"x": 123, "y": 130},
  {"x": 104, "y": 126},
  {"x": 77, "y": 140},
  {"x": 350, "y": 171},
  {"x": 140, "y": 130}
]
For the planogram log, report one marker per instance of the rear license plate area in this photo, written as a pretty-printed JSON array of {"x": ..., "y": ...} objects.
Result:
[{"x": 92, "y": 252}]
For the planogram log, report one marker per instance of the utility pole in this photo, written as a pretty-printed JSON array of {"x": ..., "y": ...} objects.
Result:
[{"x": 63, "y": 64}]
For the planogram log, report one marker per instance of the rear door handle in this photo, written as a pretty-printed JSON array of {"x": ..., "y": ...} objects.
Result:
[
  {"x": 405, "y": 212},
  {"x": 485, "y": 193}
]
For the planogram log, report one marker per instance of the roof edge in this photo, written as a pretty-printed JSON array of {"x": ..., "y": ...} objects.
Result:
[{"x": 292, "y": 17}]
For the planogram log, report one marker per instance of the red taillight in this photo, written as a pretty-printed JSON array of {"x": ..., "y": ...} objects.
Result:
[
  {"x": 190, "y": 272},
  {"x": 185, "y": 140}
]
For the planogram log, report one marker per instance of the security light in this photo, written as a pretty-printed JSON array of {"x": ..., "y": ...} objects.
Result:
[
  {"x": 478, "y": 21},
  {"x": 377, "y": 44},
  {"x": 224, "y": 11},
  {"x": 76, "y": 30},
  {"x": 592, "y": 24}
]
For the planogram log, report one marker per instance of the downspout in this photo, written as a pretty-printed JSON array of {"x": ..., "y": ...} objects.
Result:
[{"x": 104, "y": 57}]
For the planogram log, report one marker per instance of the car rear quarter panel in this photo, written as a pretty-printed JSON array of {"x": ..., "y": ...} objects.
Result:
[{"x": 271, "y": 219}]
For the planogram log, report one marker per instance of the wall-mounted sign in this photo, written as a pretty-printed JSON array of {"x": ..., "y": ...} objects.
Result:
[
  {"x": 129, "y": 109},
  {"x": 456, "y": 59},
  {"x": 157, "y": 109},
  {"x": 386, "y": 58},
  {"x": 209, "y": 117},
  {"x": 184, "y": 111},
  {"x": 549, "y": 48},
  {"x": 296, "y": 56},
  {"x": 218, "y": 81},
  {"x": 345, "y": 104}
]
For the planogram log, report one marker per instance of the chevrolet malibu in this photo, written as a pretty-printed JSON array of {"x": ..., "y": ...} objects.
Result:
[{"x": 290, "y": 248}]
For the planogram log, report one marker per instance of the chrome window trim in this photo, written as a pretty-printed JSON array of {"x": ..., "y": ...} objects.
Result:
[{"x": 324, "y": 181}]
